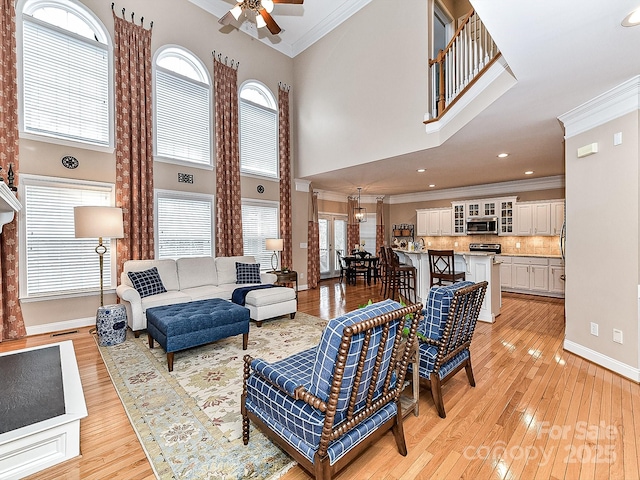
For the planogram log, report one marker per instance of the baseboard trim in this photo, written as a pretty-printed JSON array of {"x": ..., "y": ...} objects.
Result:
[
  {"x": 598, "y": 358},
  {"x": 60, "y": 326}
]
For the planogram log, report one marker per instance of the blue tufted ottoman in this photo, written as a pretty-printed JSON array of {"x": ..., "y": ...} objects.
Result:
[{"x": 185, "y": 325}]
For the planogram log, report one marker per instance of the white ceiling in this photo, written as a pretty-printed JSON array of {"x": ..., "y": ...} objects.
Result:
[
  {"x": 301, "y": 25},
  {"x": 562, "y": 54}
]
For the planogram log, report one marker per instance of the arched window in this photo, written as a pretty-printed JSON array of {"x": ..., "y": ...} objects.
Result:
[
  {"x": 182, "y": 107},
  {"x": 258, "y": 130},
  {"x": 66, "y": 64}
]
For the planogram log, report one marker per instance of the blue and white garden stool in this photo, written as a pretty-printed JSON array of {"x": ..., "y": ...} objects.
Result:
[{"x": 111, "y": 323}]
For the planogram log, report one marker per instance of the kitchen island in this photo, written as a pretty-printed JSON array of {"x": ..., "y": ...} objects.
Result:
[{"x": 478, "y": 267}]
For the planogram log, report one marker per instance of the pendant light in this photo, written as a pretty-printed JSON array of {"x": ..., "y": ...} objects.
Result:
[{"x": 359, "y": 212}]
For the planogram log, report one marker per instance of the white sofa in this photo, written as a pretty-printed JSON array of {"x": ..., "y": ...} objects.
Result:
[{"x": 200, "y": 278}]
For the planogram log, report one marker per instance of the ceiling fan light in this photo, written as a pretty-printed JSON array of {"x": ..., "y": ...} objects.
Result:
[
  {"x": 260, "y": 21},
  {"x": 236, "y": 11},
  {"x": 267, "y": 5}
]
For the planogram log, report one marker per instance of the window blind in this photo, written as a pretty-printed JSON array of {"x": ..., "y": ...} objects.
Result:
[
  {"x": 184, "y": 227},
  {"x": 65, "y": 84},
  {"x": 368, "y": 233},
  {"x": 56, "y": 261},
  {"x": 259, "y": 222},
  {"x": 258, "y": 140},
  {"x": 183, "y": 118}
]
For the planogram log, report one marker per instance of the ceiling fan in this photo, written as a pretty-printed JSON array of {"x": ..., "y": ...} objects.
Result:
[{"x": 262, "y": 10}]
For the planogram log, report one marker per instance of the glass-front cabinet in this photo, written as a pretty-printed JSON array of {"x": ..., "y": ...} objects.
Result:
[
  {"x": 506, "y": 216},
  {"x": 459, "y": 220}
]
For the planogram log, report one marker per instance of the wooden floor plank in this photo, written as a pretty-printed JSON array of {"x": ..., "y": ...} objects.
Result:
[{"x": 528, "y": 389}]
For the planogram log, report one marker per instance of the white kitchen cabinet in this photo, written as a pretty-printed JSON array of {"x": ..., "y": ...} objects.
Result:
[
  {"x": 533, "y": 218},
  {"x": 557, "y": 217},
  {"x": 506, "y": 216},
  {"x": 482, "y": 208},
  {"x": 505, "y": 271},
  {"x": 535, "y": 275},
  {"x": 434, "y": 222},
  {"x": 422, "y": 221},
  {"x": 556, "y": 275}
]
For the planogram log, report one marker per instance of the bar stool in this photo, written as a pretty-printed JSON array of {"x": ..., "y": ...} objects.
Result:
[
  {"x": 401, "y": 277},
  {"x": 442, "y": 268}
]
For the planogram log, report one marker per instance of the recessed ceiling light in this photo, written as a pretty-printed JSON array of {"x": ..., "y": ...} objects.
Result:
[
  {"x": 529, "y": 172},
  {"x": 632, "y": 19},
  {"x": 503, "y": 155},
  {"x": 431, "y": 186},
  {"x": 421, "y": 170}
]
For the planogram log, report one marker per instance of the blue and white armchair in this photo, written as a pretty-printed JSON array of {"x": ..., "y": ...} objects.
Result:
[
  {"x": 323, "y": 406},
  {"x": 445, "y": 334}
]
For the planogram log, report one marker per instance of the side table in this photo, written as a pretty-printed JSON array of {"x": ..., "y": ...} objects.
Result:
[{"x": 288, "y": 277}]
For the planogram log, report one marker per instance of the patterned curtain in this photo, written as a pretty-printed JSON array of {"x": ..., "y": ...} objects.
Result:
[
  {"x": 286, "y": 225},
  {"x": 11, "y": 323},
  {"x": 313, "y": 243},
  {"x": 134, "y": 140},
  {"x": 380, "y": 225},
  {"x": 353, "y": 226},
  {"x": 228, "y": 198}
]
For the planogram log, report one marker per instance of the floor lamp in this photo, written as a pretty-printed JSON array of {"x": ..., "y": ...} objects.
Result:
[
  {"x": 98, "y": 222},
  {"x": 277, "y": 245}
]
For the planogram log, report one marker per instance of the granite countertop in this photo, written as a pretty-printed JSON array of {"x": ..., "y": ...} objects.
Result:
[{"x": 456, "y": 252}]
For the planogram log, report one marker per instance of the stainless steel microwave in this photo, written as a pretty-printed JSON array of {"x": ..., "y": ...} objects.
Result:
[{"x": 482, "y": 225}]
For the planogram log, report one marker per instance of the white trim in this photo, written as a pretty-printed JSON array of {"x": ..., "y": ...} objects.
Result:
[
  {"x": 481, "y": 191},
  {"x": 327, "y": 25},
  {"x": 609, "y": 363},
  {"x": 60, "y": 326},
  {"x": 219, "y": 9},
  {"x": 623, "y": 99},
  {"x": 477, "y": 90},
  {"x": 341, "y": 197}
]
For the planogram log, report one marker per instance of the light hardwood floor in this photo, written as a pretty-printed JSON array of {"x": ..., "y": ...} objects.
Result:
[{"x": 536, "y": 412}]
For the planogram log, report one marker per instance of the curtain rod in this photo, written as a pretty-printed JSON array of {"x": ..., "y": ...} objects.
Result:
[
  {"x": 284, "y": 86},
  {"x": 226, "y": 59},
  {"x": 132, "y": 14}
]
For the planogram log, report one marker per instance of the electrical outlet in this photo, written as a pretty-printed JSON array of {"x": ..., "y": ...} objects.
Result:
[
  {"x": 617, "y": 335},
  {"x": 517, "y": 244},
  {"x": 594, "y": 329},
  {"x": 455, "y": 244},
  {"x": 428, "y": 244},
  {"x": 301, "y": 275}
]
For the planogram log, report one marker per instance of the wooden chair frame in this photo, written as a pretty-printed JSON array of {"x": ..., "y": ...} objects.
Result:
[
  {"x": 320, "y": 467},
  {"x": 456, "y": 337},
  {"x": 442, "y": 267}
]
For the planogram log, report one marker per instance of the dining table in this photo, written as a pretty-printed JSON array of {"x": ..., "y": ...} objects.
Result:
[{"x": 365, "y": 262}]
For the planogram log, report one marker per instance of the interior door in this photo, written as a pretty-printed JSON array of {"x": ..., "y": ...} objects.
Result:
[{"x": 333, "y": 237}]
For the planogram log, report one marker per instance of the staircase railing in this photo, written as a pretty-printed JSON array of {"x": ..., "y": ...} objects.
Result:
[{"x": 469, "y": 53}]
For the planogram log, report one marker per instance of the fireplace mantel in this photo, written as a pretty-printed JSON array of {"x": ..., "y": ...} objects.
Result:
[{"x": 9, "y": 204}]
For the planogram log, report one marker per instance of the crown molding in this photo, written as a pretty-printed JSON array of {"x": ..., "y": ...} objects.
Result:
[
  {"x": 623, "y": 99},
  {"x": 329, "y": 23},
  {"x": 480, "y": 191},
  {"x": 341, "y": 197}
]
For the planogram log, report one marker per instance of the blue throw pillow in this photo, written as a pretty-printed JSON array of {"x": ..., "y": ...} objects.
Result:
[
  {"x": 147, "y": 282},
  {"x": 248, "y": 273}
]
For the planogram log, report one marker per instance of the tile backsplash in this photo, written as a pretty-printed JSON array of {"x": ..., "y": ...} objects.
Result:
[{"x": 548, "y": 245}]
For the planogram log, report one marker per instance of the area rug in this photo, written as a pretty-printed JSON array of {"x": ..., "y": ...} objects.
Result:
[{"x": 188, "y": 420}]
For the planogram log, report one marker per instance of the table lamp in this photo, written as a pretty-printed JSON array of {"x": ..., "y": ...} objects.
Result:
[
  {"x": 98, "y": 222},
  {"x": 277, "y": 245}
]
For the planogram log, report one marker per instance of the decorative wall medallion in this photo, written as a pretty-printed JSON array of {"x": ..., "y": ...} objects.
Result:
[
  {"x": 260, "y": 189},
  {"x": 185, "y": 178},
  {"x": 70, "y": 162}
]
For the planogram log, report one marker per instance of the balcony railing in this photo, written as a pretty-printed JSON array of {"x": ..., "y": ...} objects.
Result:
[{"x": 469, "y": 53}]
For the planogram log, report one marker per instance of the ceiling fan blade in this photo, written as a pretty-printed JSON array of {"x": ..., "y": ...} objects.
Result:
[
  {"x": 297, "y": 2},
  {"x": 271, "y": 23},
  {"x": 226, "y": 19}
]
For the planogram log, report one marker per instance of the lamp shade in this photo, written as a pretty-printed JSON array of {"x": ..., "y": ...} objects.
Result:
[
  {"x": 275, "y": 244},
  {"x": 96, "y": 222}
]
